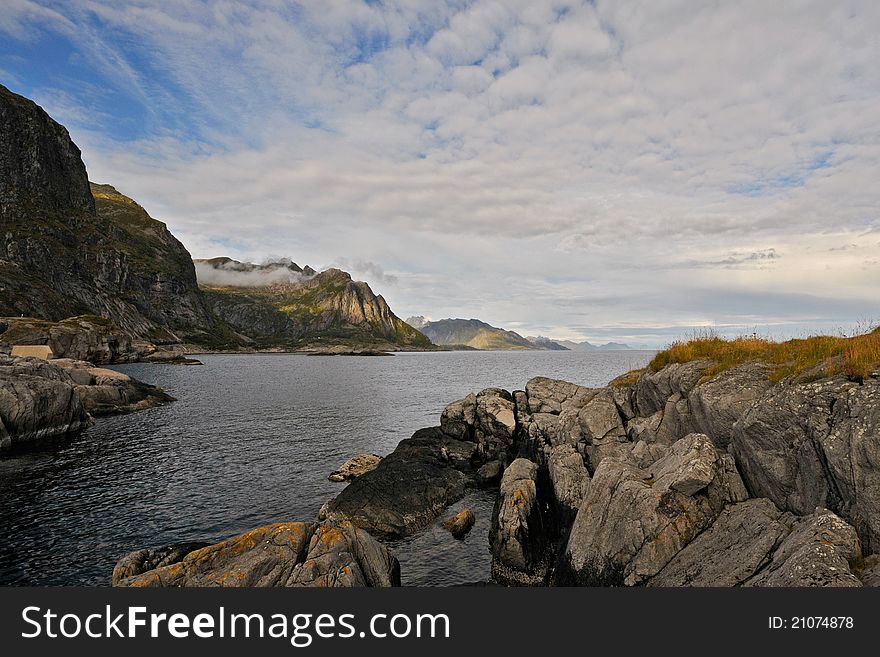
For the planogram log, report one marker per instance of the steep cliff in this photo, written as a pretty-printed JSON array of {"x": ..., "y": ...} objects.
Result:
[{"x": 70, "y": 248}]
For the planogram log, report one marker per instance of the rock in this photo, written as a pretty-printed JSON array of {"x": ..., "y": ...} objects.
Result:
[
  {"x": 459, "y": 417},
  {"x": 113, "y": 393},
  {"x": 490, "y": 473},
  {"x": 355, "y": 467},
  {"x": 851, "y": 454},
  {"x": 775, "y": 444},
  {"x": 495, "y": 423},
  {"x": 86, "y": 338},
  {"x": 409, "y": 488},
  {"x": 341, "y": 554},
  {"x": 140, "y": 561},
  {"x": 633, "y": 522},
  {"x": 737, "y": 545},
  {"x": 569, "y": 478},
  {"x": 870, "y": 571},
  {"x": 517, "y": 537},
  {"x": 644, "y": 428},
  {"x": 37, "y": 400},
  {"x": 717, "y": 404},
  {"x": 653, "y": 389},
  {"x": 460, "y": 524},
  {"x": 818, "y": 552},
  {"x": 283, "y": 554},
  {"x": 548, "y": 395}
]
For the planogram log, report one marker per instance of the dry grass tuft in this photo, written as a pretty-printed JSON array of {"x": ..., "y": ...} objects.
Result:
[{"x": 855, "y": 356}]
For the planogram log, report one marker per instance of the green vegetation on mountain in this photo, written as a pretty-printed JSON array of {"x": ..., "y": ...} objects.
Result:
[{"x": 306, "y": 311}]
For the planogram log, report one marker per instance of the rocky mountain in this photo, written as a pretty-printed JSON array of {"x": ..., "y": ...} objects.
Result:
[
  {"x": 280, "y": 304},
  {"x": 471, "y": 333},
  {"x": 68, "y": 247},
  {"x": 74, "y": 249}
]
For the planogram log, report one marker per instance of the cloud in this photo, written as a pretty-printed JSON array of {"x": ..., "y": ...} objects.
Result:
[
  {"x": 237, "y": 274},
  {"x": 557, "y": 163},
  {"x": 365, "y": 268}
]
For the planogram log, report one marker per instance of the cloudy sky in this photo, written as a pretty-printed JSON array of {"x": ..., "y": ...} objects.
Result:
[{"x": 615, "y": 170}]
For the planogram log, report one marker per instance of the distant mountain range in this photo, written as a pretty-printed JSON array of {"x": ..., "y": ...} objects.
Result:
[
  {"x": 589, "y": 346},
  {"x": 477, "y": 334}
]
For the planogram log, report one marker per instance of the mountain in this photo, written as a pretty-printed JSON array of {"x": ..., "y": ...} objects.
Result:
[
  {"x": 74, "y": 249},
  {"x": 68, "y": 247},
  {"x": 471, "y": 333},
  {"x": 545, "y": 343},
  {"x": 589, "y": 346},
  {"x": 279, "y": 304}
]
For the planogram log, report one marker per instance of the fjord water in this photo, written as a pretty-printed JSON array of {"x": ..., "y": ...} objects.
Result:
[{"x": 249, "y": 442}]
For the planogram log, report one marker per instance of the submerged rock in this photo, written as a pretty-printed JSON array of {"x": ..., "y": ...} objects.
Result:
[
  {"x": 461, "y": 523},
  {"x": 283, "y": 554},
  {"x": 355, "y": 467}
]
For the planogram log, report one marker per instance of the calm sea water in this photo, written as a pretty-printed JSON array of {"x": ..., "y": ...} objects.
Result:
[{"x": 251, "y": 441}]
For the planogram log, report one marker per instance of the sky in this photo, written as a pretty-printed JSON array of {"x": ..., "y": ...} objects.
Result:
[{"x": 623, "y": 170}]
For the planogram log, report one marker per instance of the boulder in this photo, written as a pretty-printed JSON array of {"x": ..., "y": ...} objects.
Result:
[
  {"x": 851, "y": 454},
  {"x": 632, "y": 522},
  {"x": 459, "y": 417},
  {"x": 355, "y": 467},
  {"x": 495, "y": 423},
  {"x": 461, "y": 523},
  {"x": 490, "y": 473},
  {"x": 283, "y": 554},
  {"x": 409, "y": 488},
  {"x": 517, "y": 537}
]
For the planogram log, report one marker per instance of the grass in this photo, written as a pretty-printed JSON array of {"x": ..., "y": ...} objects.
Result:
[{"x": 855, "y": 356}]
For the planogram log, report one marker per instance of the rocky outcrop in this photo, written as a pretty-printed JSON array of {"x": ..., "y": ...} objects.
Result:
[
  {"x": 37, "y": 401},
  {"x": 634, "y": 521},
  {"x": 88, "y": 338},
  {"x": 755, "y": 544},
  {"x": 409, "y": 488},
  {"x": 355, "y": 467},
  {"x": 518, "y": 540},
  {"x": 667, "y": 478},
  {"x": 329, "y": 554},
  {"x": 41, "y": 399}
]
